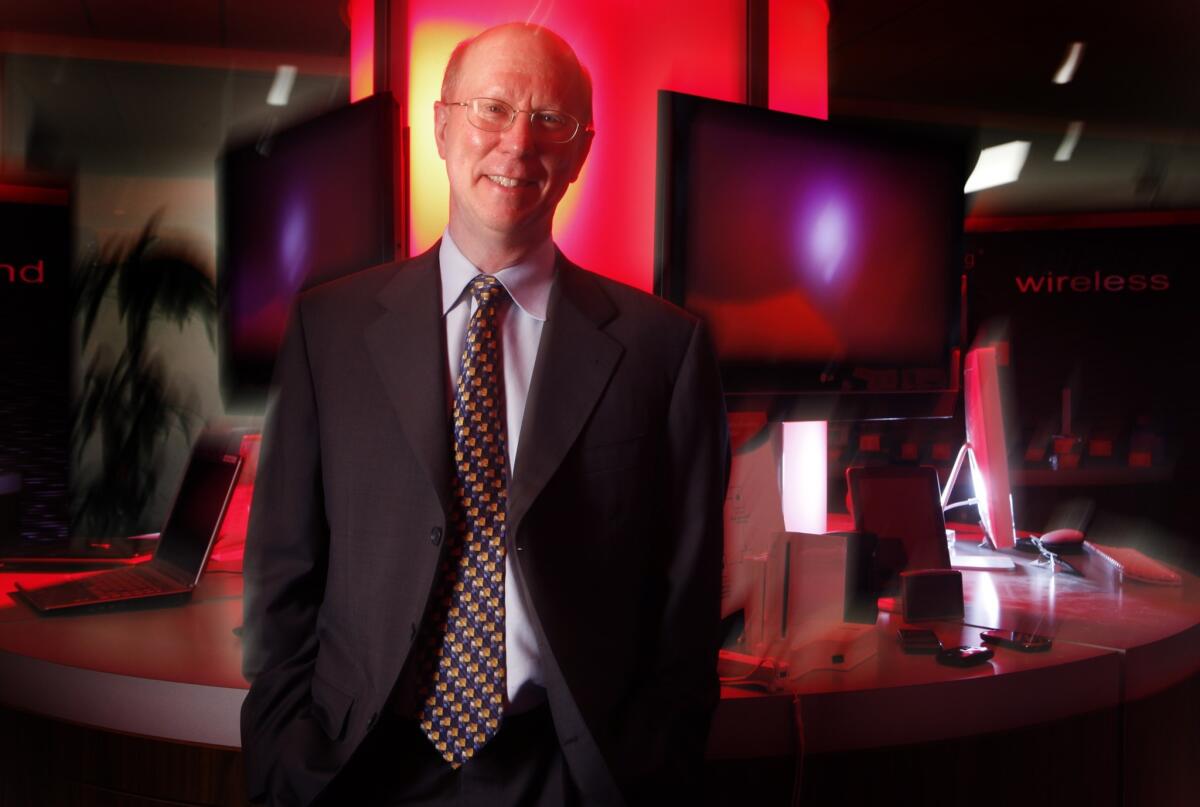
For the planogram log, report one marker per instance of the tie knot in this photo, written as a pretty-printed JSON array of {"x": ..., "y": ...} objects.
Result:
[{"x": 486, "y": 288}]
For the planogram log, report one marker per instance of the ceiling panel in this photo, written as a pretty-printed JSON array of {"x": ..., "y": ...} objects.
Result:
[
  {"x": 309, "y": 26},
  {"x": 285, "y": 26},
  {"x": 1138, "y": 67},
  {"x": 54, "y": 17},
  {"x": 187, "y": 22}
]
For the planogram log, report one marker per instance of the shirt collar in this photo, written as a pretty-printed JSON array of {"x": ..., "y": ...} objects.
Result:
[{"x": 527, "y": 282}]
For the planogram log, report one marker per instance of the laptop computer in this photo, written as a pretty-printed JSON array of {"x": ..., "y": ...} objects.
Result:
[{"x": 183, "y": 547}]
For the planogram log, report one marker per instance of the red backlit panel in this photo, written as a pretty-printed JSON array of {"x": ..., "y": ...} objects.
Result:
[
  {"x": 606, "y": 222},
  {"x": 362, "y": 49},
  {"x": 798, "y": 78}
]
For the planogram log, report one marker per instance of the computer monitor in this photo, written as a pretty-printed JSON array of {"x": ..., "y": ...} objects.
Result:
[
  {"x": 308, "y": 204},
  {"x": 986, "y": 449},
  {"x": 825, "y": 256}
]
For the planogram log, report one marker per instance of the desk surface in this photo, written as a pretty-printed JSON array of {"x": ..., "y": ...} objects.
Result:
[{"x": 174, "y": 673}]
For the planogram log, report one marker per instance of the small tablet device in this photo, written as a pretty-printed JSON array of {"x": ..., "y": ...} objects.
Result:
[
  {"x": 914, "y": 640},
  {"x": 1026, "y": 642},
  {"x": 964, "y": 656}
]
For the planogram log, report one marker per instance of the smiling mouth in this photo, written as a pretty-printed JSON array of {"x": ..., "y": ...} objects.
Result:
[{"x": 510, "y": 182}]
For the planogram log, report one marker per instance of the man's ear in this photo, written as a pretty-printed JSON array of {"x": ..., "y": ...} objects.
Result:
[
  {"x": 441, "y": 117},
  {"x": 585, "y": 148}
]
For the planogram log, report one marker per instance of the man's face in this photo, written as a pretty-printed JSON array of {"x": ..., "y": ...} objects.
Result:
[{"x": 505, "y": 186}]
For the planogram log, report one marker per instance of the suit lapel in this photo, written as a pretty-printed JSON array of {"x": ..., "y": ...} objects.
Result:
[
  {"x": 574, "y": 363},
  {"x": 407, "y": 346}
]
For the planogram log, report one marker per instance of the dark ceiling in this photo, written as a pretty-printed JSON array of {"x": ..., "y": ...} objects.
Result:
[
  {"x": 991, "y": 60},
  {"x": 298, "y": 26},
  {"x": 983, "y": 64},
  {"x": 990, "y": 65}
]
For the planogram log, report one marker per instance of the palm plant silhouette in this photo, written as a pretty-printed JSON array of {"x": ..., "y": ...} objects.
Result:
[{"x": 129, "y": 402}]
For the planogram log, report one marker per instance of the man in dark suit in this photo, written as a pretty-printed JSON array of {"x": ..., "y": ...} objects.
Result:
[{"x": 483, "y": 564}]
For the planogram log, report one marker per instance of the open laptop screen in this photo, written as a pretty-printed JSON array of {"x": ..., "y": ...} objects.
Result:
[{"x": 196, "y": 515}]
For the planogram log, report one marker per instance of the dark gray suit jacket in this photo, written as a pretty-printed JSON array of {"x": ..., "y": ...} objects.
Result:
[{"x": 615, "y": 510}]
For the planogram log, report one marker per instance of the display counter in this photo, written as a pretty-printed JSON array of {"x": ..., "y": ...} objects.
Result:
[{"x": 172, "y": 676}]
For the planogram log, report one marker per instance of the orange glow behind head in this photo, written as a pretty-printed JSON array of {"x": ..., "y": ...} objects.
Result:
[{"x": 429, "y": 49}]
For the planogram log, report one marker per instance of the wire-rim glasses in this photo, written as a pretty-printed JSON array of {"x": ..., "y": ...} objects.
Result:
[{"x": 494, "y": 115}]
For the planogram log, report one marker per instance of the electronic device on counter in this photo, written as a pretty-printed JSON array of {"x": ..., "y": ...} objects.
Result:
[
  {"x": 183, "y": 548},
  {"x": 1062, "y": 540},
  {"x": 931, "y": 594},
  {"x": 861, "y": 594},
  {"x": 919, "y": 640},
  {"x": 1131, "y": 564},
  {"x": 965, "y": 656},
  {"x": 986, "y": 450},
  {"x": 988, "y": 563},
  {"x": 1025, "y": 642},
  {"x": 901, "y": 507}
]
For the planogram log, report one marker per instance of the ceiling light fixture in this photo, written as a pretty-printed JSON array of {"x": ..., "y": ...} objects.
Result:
[
  {"x": 1067, "y": 147},
  {"x": 1070, "y": 63},
  {"x": 998, "y": 165},
  {"x": 281, "y": 87}
]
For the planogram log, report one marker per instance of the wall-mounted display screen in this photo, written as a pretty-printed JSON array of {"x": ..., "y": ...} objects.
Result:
[
  {"x": 306, "y": 205},
  {"x": 820, "y": 253}
]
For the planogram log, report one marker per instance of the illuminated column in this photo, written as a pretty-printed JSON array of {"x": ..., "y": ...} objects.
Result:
[
  {"x": 804, "y": 478},
  {"x": 798, "y": 82}
]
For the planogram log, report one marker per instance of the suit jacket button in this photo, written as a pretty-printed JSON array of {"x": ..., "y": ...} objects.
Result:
[
  {"x": 372, "y": 719},
  {"x": 435, "y": 536}
]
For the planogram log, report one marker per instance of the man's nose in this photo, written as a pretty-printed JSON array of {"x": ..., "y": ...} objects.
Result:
[{"x": 519, "y": 138}]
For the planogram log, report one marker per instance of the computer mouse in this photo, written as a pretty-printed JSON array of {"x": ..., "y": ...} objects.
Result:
[{"x": 1062, "y": 538}]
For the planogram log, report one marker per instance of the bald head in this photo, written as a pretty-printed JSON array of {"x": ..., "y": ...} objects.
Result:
[{"x": 503, "y": 39}]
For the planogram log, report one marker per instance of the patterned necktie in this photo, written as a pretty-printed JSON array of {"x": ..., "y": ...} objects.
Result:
[{"x": 463, "y": 687}]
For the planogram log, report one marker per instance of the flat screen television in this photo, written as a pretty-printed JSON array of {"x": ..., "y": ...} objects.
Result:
[
  {"x": 308, "y": 204},
  {"x": 825, "y": 256}
]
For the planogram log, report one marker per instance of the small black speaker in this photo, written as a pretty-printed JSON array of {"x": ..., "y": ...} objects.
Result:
[
  {"x": 862, "y": 584},
  {"x": 932, "y": 594}
]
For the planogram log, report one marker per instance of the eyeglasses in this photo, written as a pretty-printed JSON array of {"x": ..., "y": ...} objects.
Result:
[{"x": 492, "y": 115}]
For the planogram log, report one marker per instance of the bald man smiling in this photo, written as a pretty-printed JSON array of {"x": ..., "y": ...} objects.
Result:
[{"x": 483, "y": 564}]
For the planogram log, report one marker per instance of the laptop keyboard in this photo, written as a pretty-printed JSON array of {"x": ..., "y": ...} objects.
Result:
[{"x": 120, "y": 584}]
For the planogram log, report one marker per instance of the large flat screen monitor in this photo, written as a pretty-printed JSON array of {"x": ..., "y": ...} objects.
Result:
[
  {"x": 826, "y": 257},
  {"x": 309, "y": 204}
]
